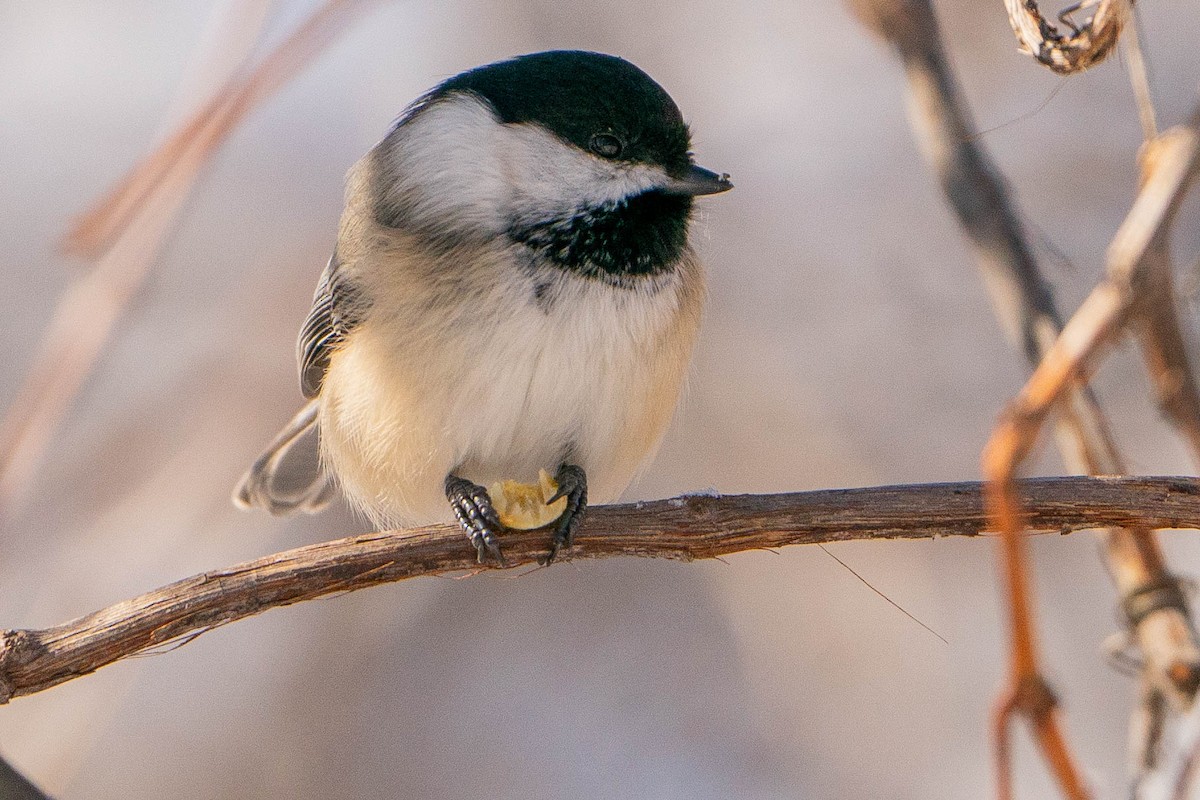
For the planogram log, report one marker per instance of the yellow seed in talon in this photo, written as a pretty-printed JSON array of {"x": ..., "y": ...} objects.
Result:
[{"x": 522, "y": 506}]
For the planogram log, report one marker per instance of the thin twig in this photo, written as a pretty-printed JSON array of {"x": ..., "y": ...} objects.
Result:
[
  {"x": 1133, "y": 256},
  {"x": 683, "y": 528},
  {"x": 190, "y": 145},
  {"x": 1167, "y": 351},
  {"x": 1025, "y": 305},
  {"x": 125, "y": 231},
  {"x": 883, "y": 596},
  {"x": 1139, "y": 78},
  {"x": 1172, "y": 777},
  {"x": 1147, "y": 725}
]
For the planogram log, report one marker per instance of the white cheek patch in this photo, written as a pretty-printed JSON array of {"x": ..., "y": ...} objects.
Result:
[
  {"x": 454, "y": 165},
  {"x": 552, "y": 178},
  {"x": 443, "y": 167}
]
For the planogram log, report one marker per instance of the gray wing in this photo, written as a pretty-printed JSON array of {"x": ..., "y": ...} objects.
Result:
[
  {"x": 333, "y": 315},
  {"x": 288, "y": 477}
]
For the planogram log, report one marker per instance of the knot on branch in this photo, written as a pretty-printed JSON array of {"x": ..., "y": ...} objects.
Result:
[
  {"x": 1167, "y": 594},
  {"x": 1185, "y": 676},
  {"x": 17, "y": 648},
  {"x": 1156, "y": 596},
  {"x": 1033, "y": 697}
]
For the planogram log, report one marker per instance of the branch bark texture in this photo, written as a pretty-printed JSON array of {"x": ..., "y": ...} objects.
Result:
[{"x": 683, "y": 528}]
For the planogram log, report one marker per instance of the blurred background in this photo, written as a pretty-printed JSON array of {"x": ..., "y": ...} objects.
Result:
[{"x": 848, "y": 342}]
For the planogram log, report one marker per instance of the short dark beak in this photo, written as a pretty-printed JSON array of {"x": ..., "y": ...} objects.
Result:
[{"x": 698, "y": 180}]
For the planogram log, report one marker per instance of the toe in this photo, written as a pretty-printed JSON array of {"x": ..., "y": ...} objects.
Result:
[
  {"x": 473, "y": 508},
  {"x": 572, "y": 484}
]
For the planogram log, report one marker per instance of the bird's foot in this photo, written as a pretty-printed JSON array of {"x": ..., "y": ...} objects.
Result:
[
  {"x": 572, "y": 484},
  {"x": 473, "y": 507}
]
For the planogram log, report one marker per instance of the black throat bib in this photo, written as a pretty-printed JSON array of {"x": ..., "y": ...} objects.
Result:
[{"x": 639, "y": 236}]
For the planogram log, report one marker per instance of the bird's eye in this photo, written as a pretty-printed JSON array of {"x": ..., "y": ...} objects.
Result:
[{"x": 606, "y": 145}]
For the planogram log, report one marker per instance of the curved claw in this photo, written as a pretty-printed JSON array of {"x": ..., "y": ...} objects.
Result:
[
  {"x": 572, "y": 484},
  {"x": 473, "y": 508}
]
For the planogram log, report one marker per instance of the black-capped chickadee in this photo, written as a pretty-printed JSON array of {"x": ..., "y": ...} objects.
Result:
[{"x": 512, "y": 290}]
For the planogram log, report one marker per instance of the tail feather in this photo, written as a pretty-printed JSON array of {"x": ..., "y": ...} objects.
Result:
[{"x": 287, "y": 477}]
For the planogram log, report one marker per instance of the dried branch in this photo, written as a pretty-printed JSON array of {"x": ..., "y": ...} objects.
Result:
[
  {"x": 1134, "y": 256},
  {"x": 1173, "y": 777},
  {"x": 125, "y": 230},
  {"x": 1139, "y": 79},
  {"x": 685, "y": 528},
  {"x": 1025, "y": 305},
  {"x": 191, "y": 144},
  {"x": 1085, "y": 46},
  {"x": 1159, "y": 326}
]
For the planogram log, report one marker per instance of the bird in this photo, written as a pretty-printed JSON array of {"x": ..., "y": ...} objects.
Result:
[{"x": 512, "y": 289}]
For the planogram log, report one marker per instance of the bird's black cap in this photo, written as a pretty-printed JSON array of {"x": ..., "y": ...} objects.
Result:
[{"x": 578, "y": 96}]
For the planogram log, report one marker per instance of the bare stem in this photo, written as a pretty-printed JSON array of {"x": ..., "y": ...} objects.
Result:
[
  {"x": 1024, "y": 303},
  {"x": 123, "y": 233},
  {"x": 683, "y": 528}
]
